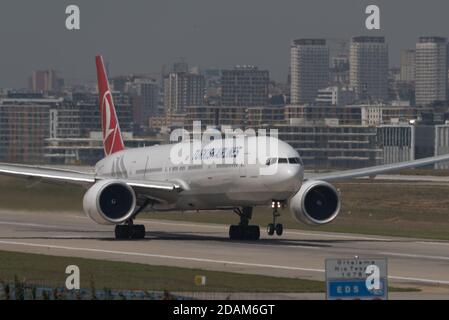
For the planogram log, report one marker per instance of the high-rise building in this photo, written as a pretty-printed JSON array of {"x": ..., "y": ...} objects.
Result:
[
  {"x": 309, "y": 69},
  {"x": 408, "y": 65},
  {"x": 245, "y": 86},
  {"x": 145, "y": 99},
  {"x": 182, "y": 90},
  {"x": 24, "y": 126},
  {"x": 88, "y": 110},
  {"x": 119, "y": 82},
  {"x": 45, "y": 81},
  {"x": 369, "y": 68},
  {"x": 431, "y": 70}
]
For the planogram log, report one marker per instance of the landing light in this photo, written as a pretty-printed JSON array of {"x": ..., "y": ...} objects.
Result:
[{"x": 276, "y": 204}]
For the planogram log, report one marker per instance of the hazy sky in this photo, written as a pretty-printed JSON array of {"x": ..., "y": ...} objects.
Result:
[{"x": 141, "y": 35}]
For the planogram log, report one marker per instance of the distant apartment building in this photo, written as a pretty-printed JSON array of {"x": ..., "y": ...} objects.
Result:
[
  {"x": 35, "y": 129},
  {"x": 88, "y": 150},
  {"x": 335, "y": 96},
  {"x": 182, "y": 90},
  {"x": 45, "y": 81},
  {"x": 397, "y": 142},
  {"x": 144, "y": 95},
  {"x": 87, "y": 106},
  {"x": 216, "y": 116},
  {"x": 431, "y": 70},
  {"x": 213, "y": 86},
  {"x": 118, "y": 83},
  {"x": 236, "y": 117},
  {"x": 23, "y": 129},
  {"x": 375, "y": 115},
  {"x": 369, "y": 68},
  {"x": 346, "y": 115},
  {"x": 75, "y": 129},
  {"x": 165, "y": 123},
  {"x": 244, "y": 86},
  {"x": 269, "y": 115},
  {"x": 408, "y": 65},
  {"x": 309, "y": 69},
  {"x": 332, "y": 146}
]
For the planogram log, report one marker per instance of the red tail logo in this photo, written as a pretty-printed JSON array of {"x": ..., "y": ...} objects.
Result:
[{"x": 112, "y": 137}]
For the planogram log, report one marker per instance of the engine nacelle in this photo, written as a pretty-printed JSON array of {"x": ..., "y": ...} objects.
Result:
[
  {"x": 109, "y": 202},
  {"x": 316, "y": 203}
]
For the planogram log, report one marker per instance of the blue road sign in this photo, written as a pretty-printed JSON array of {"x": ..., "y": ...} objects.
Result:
[{"x": 354, "y": 289}]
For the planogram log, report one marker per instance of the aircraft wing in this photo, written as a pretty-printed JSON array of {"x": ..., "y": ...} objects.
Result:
[
  {"x": 47, "y": 174},
  {"x": 372, "y": 171},
  {"x": 158, "y": 190}
]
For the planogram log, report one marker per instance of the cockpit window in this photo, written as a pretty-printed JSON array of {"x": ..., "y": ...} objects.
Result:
[
  {"x": 272, "y": 161},
  {"x": 294, "y": 160}
]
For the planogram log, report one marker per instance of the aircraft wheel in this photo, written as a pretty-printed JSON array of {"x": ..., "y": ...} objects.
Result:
[
  {"x": 138, "y": 231},
  {"x": 235, "y": 232},
  {"x": 122, "y": 232},
  {"x": 279, "y": 229},
  {"x": 252, "y": 233}
]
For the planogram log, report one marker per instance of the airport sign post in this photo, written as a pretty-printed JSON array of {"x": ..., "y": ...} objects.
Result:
[{"x": 356, "y": 279}]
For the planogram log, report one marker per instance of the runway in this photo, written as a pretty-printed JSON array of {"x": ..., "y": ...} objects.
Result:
[{"x": 412, "y": 262}]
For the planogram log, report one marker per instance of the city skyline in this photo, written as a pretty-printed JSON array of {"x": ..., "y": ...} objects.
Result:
[{"x": 38, "y": 39}]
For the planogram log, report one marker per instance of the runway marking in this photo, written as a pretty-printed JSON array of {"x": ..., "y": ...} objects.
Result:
[
  {"x": 409, "y": 255},
  {"x": 22, "y": 224},
  {"x": 37, "y": 225},
  {"x": 432, "y": 281},
  {"x": 433, "y": 242},
  {"x": 420, "y": 280},
  {"x": 150, "y": 255}
]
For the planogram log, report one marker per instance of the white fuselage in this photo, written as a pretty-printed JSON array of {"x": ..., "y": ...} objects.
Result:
[{"x": 210, "y": 174}]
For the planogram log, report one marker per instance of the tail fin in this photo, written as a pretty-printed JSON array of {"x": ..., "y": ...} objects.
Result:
[{"x": 112, "y": 136}]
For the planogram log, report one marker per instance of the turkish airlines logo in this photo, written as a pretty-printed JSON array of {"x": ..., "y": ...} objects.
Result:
[{"x": 110, "y": 125}]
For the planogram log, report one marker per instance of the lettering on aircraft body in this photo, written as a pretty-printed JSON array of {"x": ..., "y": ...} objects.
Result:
[
  {"x": 119, "y": 170},
  {"x": 216, "y": 153}
]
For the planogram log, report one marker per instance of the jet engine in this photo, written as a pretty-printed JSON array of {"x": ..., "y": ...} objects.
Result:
[
  {"x": 316, "y": 203},
  {"x": 109, "y": 202}
]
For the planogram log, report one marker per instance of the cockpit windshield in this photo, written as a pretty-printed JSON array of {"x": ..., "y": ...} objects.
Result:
[{"x": 272, "y": 161}]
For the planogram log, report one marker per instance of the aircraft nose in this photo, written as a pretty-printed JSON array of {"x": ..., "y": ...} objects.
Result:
[{"x": 290, "y": 175}]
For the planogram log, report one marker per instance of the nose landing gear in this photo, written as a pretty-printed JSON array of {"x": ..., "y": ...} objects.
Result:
[{"x": 275, "y": 227}]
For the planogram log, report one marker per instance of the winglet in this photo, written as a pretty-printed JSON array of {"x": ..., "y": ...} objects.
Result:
[{"x": 112, "y": 136}]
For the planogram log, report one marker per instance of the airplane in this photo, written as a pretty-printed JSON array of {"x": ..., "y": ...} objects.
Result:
[{"x": 128, "y": 181}]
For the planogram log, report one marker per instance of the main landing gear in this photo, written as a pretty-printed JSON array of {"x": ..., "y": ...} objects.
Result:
[
  {"x": 275, "y": 227},
  {"x": 244, "y": 231},
  {"x": 130, "y": 231}
]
